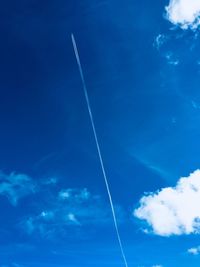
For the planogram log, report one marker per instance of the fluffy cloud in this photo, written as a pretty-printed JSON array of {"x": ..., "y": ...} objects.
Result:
[
  {"x": 173, "y": 210},
  {"x": 185, "y": 13},
  {"x": 194, "y": 251},
  {"x": 16, "y": 186}
]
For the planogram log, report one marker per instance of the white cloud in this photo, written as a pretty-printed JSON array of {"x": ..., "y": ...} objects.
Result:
[
  {"x": 194, "y": 251},
  {"x": 72, "y": 218},
  {"x": 76, "y": 194},
  {"x": 159, "y": 41},
  {"x": 64, "y": 194},
  {"x": 171, "y": 59},
  {"x": 16, "y": 186},
  {"x": 185, "y": 13},
  {"x": 70, "y": 207},
  {"x": 173, "y": 210}
]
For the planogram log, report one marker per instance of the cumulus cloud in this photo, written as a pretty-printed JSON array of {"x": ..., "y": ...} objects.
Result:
[
  {"x": 173, "y": 210},
  {"x": 194, "y": 251},
  {"x": 16, "y": 186},
  {"x": 185, "y": 13}
]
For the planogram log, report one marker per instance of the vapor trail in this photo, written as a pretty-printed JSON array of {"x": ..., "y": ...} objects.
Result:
[{"x": 98, "y": 148}]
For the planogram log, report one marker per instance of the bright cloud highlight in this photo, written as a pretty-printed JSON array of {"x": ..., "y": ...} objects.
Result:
[
  {"x": 185, "y": 13},
  {"x": 173, "y": 210}
]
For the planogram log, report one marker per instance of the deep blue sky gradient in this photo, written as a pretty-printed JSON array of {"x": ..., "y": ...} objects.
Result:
[{"x": 146, "y": 113}]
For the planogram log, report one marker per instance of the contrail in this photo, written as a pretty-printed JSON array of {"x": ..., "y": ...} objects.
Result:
[{"x": 98, "y": 148}]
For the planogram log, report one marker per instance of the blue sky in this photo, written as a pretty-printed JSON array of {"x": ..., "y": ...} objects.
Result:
[{"x": 142, "y": 68}]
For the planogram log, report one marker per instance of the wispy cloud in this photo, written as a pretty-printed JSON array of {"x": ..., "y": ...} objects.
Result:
[
  {"x": 16, "y": 186},
  {"x": 184, "y": 13},
  {"x": 70, "y": 207},
  {"x": 173, "y": 210},
  {"x": 159, "y": 41},
  {"x": 55, "y": 210},
  {"x": 194, "y": 250},
  {"x": 76, "y": 194},
  {"x": 171, "y": 59}
]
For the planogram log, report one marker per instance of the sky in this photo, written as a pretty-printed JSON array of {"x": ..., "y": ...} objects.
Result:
[{"x": 141, "y": 64}]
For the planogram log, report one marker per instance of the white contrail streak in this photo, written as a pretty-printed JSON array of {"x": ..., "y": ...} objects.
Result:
[{"x": 98, "y": 148}]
